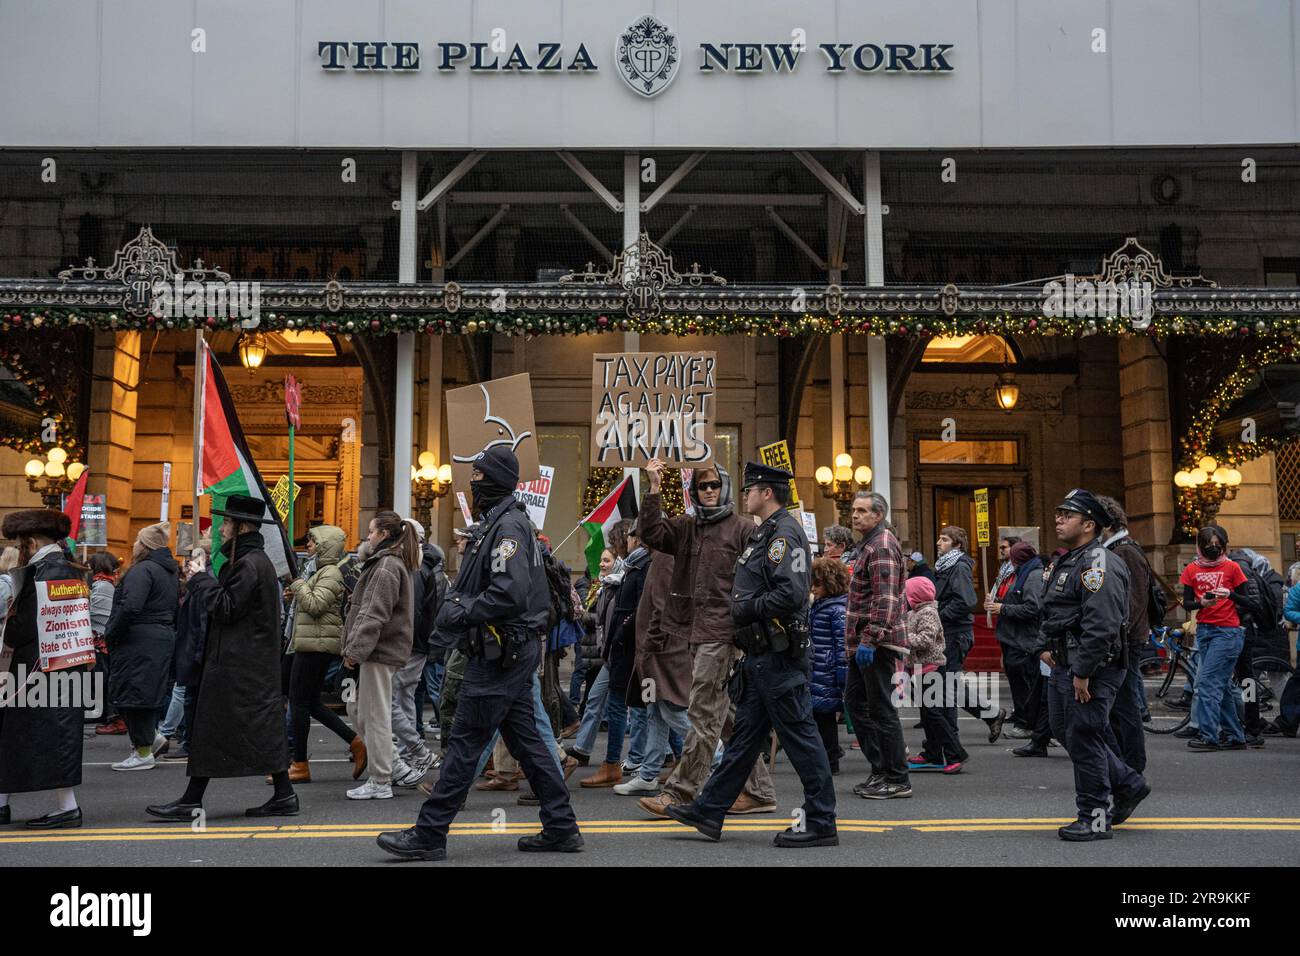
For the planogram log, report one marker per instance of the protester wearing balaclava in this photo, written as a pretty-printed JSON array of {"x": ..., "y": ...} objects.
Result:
[{"x": 500, "y": 470}]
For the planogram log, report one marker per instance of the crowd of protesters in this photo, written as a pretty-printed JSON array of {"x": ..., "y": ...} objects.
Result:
[{"x": 227, "y": 671}]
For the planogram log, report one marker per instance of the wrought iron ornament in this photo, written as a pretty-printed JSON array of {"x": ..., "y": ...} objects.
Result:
[{"x": 644, "y": 271}]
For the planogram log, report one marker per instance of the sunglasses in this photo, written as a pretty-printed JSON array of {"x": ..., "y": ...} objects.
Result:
[{"x": 709, "y": 486}]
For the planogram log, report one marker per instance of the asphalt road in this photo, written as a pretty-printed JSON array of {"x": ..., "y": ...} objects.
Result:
[{"x": 1216, "y": 809}]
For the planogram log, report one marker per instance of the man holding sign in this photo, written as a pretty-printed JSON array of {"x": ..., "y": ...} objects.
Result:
[{"x": 40, "y": 745}]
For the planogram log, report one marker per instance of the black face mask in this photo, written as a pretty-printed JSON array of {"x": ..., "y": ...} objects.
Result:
[
  {"x": 1212, "y": 551},
  {"x": 486, "y": 493}
]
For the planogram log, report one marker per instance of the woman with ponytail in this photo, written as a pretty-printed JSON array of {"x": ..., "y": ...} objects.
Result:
[{"x": 377, "y": 637}]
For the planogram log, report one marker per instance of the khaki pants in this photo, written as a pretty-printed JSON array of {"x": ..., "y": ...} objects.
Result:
[
  {"x": 711, "y": 713},
  {"x": 372, "y": 716}
]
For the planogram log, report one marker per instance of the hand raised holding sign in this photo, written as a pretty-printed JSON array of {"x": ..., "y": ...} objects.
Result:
[{"x": 655, "y": 469}]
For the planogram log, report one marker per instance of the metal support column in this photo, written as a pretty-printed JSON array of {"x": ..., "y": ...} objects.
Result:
[
  {"x": 404, "y": 405},
  {"x": 877, "y": 369}
]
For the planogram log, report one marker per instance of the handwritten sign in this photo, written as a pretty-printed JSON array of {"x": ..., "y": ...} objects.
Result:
[
  {"x": 777, "y": 455},
  {"x": 63, "y": 624},
  {"x": 653, "y": 405},
  {"x": 280, "y": 496},
  {"x": 810, "y": 529},
  {"x": 491, "y": 414},
  {"x": 536, "y": 495},
  {"x": 982, "y": 516}
]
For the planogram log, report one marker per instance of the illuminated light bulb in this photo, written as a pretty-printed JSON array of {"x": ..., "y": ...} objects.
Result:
[
  {"x": 844, "y": 460},
  {"x": 862, "y": 475},
  {"x": 34, "y": 468},
  {"x": 57, "y": 454},
  {"x": 75, "y": 470},
  {"x": 427, "y": 460},
  {"x": 823, "y": 475},
  {"x": 444, "y": 474},
  {"x": 1207, "y": 464},
  {"x": 54, "y": 469},
  {"x": 1199, "y": 477}
]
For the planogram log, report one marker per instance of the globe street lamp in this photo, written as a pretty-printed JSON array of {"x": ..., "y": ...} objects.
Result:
[
  {"x": 838, "y": 484},
  {"x": 429, "y": 482},
  {"x": 53, "y": 477},
  {"x": 1210, "y": 484}
]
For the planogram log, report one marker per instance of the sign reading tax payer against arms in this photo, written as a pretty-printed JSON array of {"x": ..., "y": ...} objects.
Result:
[{"x": 648, "y": 405}]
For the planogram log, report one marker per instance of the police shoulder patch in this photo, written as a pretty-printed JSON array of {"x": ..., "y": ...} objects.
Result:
[
  {"x": 1092, "y": 579},
  {"x": 507, "y": 547},
  {"x": 776, "y": 551}
]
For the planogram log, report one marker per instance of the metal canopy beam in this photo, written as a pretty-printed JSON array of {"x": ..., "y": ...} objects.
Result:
[
  {"x": 451, "y": 179},
  {"x": 793, "y": 236},
  {"x": 479, "y": 236},
  {"x": 594, "y": 184},
  {"x": 668, "y": 184},
  {"x": 538, "y": 198},
  {"x": 586, "y": 233},
  {"x": 667, "y": 237},
  {"x": 829, "y": 181}
]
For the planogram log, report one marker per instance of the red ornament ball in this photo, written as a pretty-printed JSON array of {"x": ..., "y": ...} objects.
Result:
[
  {"x": 375, "y": 325},
  {"x": 602, "y": 321}
]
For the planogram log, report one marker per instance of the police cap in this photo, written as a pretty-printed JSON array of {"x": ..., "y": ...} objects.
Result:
[
  {"x": 1085, "y": 503},
  {"x": 760, "y": 474}
]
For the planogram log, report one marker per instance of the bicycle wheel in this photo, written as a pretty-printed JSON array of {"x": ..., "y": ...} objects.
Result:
[
  {"x": 1266, "y": 671},
  {"x": 1165, "y": 718}
]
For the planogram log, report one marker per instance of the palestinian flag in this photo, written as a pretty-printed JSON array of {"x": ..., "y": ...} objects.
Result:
[
  {"x": 618, "y": 504},
  {"x": 227, "y": 467}
]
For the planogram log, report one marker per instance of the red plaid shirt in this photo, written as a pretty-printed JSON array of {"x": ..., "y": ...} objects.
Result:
[{"x": 877, "y": 610}]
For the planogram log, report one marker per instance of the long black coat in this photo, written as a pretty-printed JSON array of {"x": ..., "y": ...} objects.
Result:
[
  {"x": 620, "y": 643},
  {"x": 141, "y": 632},
  {"x": 40, "y": 747},
  {"x": 239, "y": 720},
  {"x": 192, "y": 631}
]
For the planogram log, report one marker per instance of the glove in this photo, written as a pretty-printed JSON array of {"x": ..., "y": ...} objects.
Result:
[{"x": 865, "y": 656}]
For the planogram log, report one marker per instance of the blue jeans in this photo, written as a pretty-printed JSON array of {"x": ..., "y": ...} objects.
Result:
[
  {"x": 616, "y": 711},
  {"x": 638, "y": 724},
  {"x": 579, "y": 673},
  {"x": 540, "y": 721},
  {"x": 663, "y": 720},
  {"x": 175, "y": 718},
  {"x": 428, "y": 690},
  {"x": 585, "y": 742},
  {"x": 1214, "y": 706}
]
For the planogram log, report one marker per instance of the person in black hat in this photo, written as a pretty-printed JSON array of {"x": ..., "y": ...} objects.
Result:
[
  {"x": 497, "y": 611},
  {"x": 1082, "y": 638},
  {"x": 239, "y": 718},
  {"x": 40, "y": 744},
  {"x": 769, "y": 608}
]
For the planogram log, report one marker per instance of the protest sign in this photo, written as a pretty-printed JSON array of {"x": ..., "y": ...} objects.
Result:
[
  {"x": 94, "y": 522},
  {"x": 536, "y": 495},
  {"x": 487, "y": 415},
  {"x": 648, "y": 405},
  {"x": 777, "y": 455},
  {"x": 810, "y": 529},
  {"x": 63, "y": 624}
]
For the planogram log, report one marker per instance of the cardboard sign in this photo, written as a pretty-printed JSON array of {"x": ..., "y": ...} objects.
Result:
[
  {"x": 483, "y": 416},
  {"x": 777, "y": 455},
  {"x": 463, "y": 501},
  {"x": 280, "y": 496},
  {"x": 63, "y": 624},
  {"x": 536, "y": 495},
  {"x": 981, "y": 516},
  {"x": 810, "y": 528},
  {"x": 653, "y": 405},
  {"x": 94, "y": 522}
]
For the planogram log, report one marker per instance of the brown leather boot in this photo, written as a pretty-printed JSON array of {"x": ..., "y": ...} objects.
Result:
[
  {"x": 608, "y": 775},
  {"x": 358, "y": 747},
  {"x": 299, "y": 772}
]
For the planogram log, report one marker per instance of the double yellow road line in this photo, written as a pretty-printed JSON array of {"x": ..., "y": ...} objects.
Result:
[{"x": 769, "y": 824}]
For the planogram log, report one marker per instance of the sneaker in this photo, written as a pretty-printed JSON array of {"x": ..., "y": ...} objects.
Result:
[
  {"x": 1200, "y": 743},
  {"x": 135, "y": 762},
  {"x": 954, "y": 767},
  {"x": 371, "y": 791},
  {"x": 636, "y": 786},
  {"x": 924, "y": 765},
  {"x": 630, "y": 768},
  {"x": 160, "y": 745},
  {"x": 867, "y": 784},
  {"x": 180, "y": 753},
  {"x": 885, "y": 791},
  {"x": 404, "y": 775},
  {"x": 1187, "y": 733},
  {"x": 1254, "y": 741},
  {"x": 529, "y": 799},
  {"x": 1016, "y": 732},
  {"x": 424, "y": 762}
]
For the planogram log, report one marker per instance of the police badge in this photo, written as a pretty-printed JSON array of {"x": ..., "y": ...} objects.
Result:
[
  {"x": 647, "y": 56},
  {"x": 1092, "y": 579},
  {"x": 776, "y": 551},
  {"x": 507, "y": 548}
]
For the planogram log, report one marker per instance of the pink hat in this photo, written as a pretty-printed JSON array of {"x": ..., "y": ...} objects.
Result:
[{"x": 920, "y": 589}]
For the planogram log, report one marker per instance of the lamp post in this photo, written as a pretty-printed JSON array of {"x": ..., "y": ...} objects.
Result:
[
  {"x": 429, "y": 482},
  {"x": 838, "y": 484},
  {"x": 252, "y": 350},
  {"x": 53, "y": 478},
  {"x": 1006, "y": 390},
  {"x": 1211, "y": 484}
]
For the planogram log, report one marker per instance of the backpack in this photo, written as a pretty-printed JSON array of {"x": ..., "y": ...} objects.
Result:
[
  {"x": 564, "y": 603},
  {"x": 1267, "y": 607},
  {"x": 1157, "y": 599}
]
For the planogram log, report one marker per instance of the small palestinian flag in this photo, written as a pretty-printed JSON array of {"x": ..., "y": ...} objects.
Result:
[
  {"x": 618, "y": 504},
  {"x": 228, "y": 468}
]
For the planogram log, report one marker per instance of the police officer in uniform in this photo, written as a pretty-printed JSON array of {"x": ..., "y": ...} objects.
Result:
[
  {"x": 1082, "y": 638},
  {"x": 769, "y": 609},
  {"x": 497, "y": 613}
]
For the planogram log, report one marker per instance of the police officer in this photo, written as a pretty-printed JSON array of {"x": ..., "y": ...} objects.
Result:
[
  {"x": 769, "y": 608},
  {"x": 1082, "y": 638},
  {"x": 497, "y": 611}
]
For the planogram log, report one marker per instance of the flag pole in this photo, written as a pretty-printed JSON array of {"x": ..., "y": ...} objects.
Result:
[
  {"x": 566, "y": 538},
  {"x": 200, "y": 370}
]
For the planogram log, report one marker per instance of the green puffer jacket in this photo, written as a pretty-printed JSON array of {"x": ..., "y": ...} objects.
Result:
[{"x": 318, "y": 618}]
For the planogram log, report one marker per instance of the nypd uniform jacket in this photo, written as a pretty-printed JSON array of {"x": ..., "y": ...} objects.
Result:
[
  {"x": 772, "y": 573},
  {"x": 1085, "y": 606},
  {"x": 501, "y": 581}
]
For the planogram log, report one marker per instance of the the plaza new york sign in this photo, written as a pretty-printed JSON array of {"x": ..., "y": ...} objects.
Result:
[{"x": 647, "y": 55}]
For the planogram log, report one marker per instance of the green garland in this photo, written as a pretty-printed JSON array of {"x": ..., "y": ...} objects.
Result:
[{"x": 776, "y": 324}]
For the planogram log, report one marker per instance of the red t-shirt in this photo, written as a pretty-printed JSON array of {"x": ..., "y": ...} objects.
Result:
[{"x": 1200, "y": 579}]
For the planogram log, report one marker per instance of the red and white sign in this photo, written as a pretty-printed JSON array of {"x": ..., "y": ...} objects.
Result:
[
  {"x": 293, "y": 401},
  {"x": 536, "y": 495},
  {"x": 63, "y": 624}
]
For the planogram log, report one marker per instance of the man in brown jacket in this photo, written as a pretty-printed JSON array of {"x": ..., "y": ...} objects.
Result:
[{"x": 705, "y": 547}]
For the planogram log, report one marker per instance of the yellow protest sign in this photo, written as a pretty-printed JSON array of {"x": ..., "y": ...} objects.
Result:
[
  {"x": 777, "y": 455},
  {"x": 982, "y": 516},
  {"x": 280, "y": 496}
]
